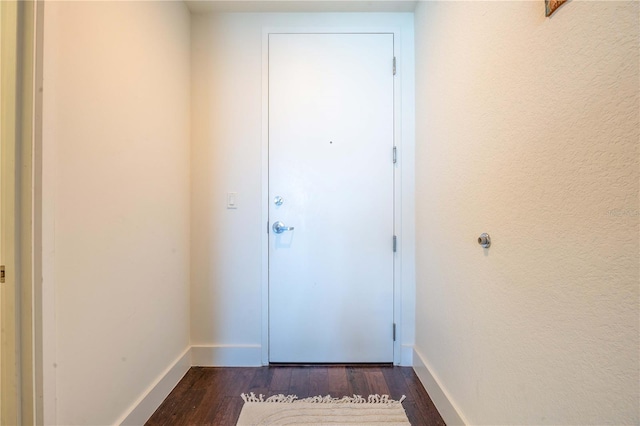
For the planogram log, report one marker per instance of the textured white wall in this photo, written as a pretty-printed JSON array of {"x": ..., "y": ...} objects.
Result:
[
  {"x": 226, "y": 263},
  {"x": 115, "y": 200},
  {"x": 528, "y": 128}
]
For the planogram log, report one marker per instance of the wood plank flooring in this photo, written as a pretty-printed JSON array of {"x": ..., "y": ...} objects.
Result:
[{"x": 211, "y": 395}]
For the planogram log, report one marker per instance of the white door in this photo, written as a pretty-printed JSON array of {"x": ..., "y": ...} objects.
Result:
[{"x": 331, "y": 168}]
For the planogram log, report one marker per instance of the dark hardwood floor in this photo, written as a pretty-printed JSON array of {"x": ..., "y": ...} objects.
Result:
[{"x": 211, "y": 395}]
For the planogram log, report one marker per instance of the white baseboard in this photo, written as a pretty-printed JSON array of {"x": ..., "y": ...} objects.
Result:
[
  {"x": 194, "y": 356},
  {"x": 439, "y": 396},
  {"x": 227, "y": 356},
  {"x": 150, "y": 400}
]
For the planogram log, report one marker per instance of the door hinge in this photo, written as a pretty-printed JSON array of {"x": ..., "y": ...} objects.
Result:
[
  {"x": 395, "y": 155},
  {"x": 395, "y": 243},
  {"x": 267, "y": 227},
  {"x": 1, "y": 274},
  {"x": 394, "y": 65},
  {"x": 394, "y": 331}
]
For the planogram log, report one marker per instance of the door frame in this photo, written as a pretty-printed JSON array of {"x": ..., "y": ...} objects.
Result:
[
  {"x": 21, "y": 36},
  {"x": 403, "y": 270}
]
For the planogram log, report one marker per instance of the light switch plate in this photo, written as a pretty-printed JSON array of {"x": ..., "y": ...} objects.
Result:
[{"x": 232, "y": 200}]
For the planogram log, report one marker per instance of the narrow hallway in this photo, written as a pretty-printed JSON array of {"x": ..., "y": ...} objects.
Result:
[{"x": 211, "y": 395}]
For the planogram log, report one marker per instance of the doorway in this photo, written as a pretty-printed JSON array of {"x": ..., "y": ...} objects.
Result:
[
  {"x": 331, "y": 197},
  {"x": 17, "y": 56}
]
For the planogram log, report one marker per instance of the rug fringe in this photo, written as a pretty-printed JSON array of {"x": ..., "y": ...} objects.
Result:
[
  {"x": 355, "y": 399},
  {"x": 275, "y": 398}
]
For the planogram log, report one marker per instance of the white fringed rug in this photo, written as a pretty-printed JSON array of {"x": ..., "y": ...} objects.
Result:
[{"x": 321, "y": 410}]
